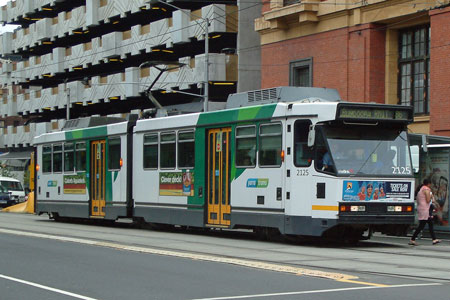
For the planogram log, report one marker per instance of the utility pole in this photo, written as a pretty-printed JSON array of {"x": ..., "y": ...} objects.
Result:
[
  {"x": 67, "y": 92},
  {"x": 206, "y": 97},
  {"x": 206, "y": 29}
]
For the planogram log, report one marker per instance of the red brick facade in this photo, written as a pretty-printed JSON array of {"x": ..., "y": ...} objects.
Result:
[
  {"x": 351, "y": 60},
  {"x": 440, "y": 72}
]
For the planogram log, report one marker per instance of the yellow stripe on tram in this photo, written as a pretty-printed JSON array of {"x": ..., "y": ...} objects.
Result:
[{"x": 325, "y": 207}]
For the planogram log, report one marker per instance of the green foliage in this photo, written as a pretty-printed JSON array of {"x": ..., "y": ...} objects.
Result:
[
  {"x": 26, "y": 178},
  {"x": 5, "y": 171}
]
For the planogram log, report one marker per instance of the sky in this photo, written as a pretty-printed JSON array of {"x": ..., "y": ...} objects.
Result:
[{"x": 6, "y": 27}]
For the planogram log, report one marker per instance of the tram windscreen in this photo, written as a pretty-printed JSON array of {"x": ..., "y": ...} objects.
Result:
[{"x": 362, "y": 151}]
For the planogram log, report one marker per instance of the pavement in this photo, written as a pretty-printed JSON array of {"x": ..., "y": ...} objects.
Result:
[{"x": 440, "y": 234}]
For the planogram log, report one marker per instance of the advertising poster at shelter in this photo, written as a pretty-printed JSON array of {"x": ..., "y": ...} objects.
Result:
[
  {"x": 354, "y": 190},
  {"x": 435, "y": 167}
]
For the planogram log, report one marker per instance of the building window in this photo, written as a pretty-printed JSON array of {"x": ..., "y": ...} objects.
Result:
[
  {"x": 414, "y": 69},
  {"x": 301, "y": 72},
  {"x": 289, "y": 2}
]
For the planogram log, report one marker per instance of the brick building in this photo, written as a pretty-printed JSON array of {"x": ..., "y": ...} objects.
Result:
[{"x": 394, "y": 52}]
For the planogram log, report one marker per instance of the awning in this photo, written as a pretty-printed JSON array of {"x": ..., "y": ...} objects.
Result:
[{"x": 16, "y": 155}]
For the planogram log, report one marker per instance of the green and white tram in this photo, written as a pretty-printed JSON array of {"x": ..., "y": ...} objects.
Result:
[
  {"x": 85, "y": 173},
  {"x": 295, "y": 160}
]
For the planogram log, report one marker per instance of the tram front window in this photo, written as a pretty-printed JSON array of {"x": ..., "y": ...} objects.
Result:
[{"x": 362, "y": 151}]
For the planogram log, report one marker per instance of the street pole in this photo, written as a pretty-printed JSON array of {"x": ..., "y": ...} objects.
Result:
[
  {"x": 67, "y": 92},
  {"x": 206, "y": 20},
  {"x": 206, "y": 96}
]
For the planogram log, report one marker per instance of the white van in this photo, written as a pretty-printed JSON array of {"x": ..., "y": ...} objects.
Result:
[{"x": 14, "y": 187}]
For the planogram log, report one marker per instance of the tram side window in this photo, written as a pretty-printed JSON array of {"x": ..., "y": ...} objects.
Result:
[
  {"x": 186, "y": 147},
  {"x": 114, "y": 154},
  {"x": 57, "y": 158},
  {"x": 246, "y": 146},
  {"x": 69, "y": 157},
  {"x": 47, "y": 159},
  {"x": 302, "y": 153},
  {"x": 151, "y": 151},
  {"x": 80, "y": 156},
  {"x": 168, "y": 150},
  {"x": 321, "y": 151},
  {"x": 270, "y": 145}
]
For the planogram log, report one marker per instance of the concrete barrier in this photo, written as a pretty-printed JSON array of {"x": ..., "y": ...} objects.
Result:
[{"x": 24, "y": 207}]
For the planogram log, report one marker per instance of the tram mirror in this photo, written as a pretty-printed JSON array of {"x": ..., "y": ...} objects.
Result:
[
  {"x": 415, "y": 152},
  {"x": 311, "y": 136}
]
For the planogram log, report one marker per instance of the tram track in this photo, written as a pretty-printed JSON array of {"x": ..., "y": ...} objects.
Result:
[
  {"x": 384, "y": 257},
  {"x": 269, "y": 265}
]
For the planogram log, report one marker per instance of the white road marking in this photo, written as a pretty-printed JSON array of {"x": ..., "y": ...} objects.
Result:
[
  {"x": 46, "y": 288},
  {"x": 317, "y": 291}
]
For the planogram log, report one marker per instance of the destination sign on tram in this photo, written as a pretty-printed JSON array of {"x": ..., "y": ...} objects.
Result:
[{"x": 373, "y": 113}]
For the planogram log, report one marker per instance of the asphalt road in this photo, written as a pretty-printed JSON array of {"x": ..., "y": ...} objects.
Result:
[{"x": 42, "y": 259}]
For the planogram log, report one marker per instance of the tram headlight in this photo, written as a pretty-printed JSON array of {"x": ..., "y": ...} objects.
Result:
[
  {"x": 358, "y": 208},
  {"x": 399, "y": 208},
  {"x": 394, "y": 208},
  {"x": 353, "y": 208}
]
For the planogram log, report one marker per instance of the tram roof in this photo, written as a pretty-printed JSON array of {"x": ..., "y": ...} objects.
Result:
[
  {"x": 94, "y": 128},
  {"x": 282, "y": 94}
]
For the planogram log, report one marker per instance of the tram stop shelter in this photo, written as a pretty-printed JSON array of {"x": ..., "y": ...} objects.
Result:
[{"x": 431, "y": 159}]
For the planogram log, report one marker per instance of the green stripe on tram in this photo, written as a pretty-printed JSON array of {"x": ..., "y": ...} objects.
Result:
[
  {"x": 227, "y": 117},
  {"x": 241, "y": 114},
  {"x": 86, "y": 133}
]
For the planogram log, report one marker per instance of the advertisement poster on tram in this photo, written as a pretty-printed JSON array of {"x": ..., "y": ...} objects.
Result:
[
  {"x": 176, "y": 184},
  {"x": 354, "y": 190},
  {"x": 435, "y": 167},
  {"x": 74, "y": 184}
]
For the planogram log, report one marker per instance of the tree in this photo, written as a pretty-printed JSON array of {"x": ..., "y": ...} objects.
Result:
[{"x": 5, "y": 170}]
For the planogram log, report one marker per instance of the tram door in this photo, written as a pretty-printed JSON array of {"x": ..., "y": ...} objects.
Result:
[
  {"x": 98, "y": 169},
  {"x": 219, "y": 166}
]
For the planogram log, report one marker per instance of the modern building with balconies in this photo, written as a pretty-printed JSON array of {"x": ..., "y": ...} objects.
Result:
[{"x": 77, "y": 58}]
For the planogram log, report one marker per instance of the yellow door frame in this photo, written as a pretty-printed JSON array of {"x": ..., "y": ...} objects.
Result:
[
  {"x": 218, "y": 178},
  {"x": 98, "y": 176}
]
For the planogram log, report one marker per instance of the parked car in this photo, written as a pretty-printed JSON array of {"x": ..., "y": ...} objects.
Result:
[
  {"x": 13, "y": 188},
  {"x": 5, "y": 198}
]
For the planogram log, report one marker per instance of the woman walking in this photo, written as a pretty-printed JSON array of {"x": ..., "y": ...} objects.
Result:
[{"x": 424, "y": 198}]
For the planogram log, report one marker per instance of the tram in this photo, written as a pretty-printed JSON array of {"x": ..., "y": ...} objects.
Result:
[{"x": 299, "y": 161}]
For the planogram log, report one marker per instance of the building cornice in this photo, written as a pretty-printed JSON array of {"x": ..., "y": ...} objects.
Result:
[{"x": 312, "y": 17}]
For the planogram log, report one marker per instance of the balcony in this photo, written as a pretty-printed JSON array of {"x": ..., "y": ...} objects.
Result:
[{"x": 128, "y": 84}]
